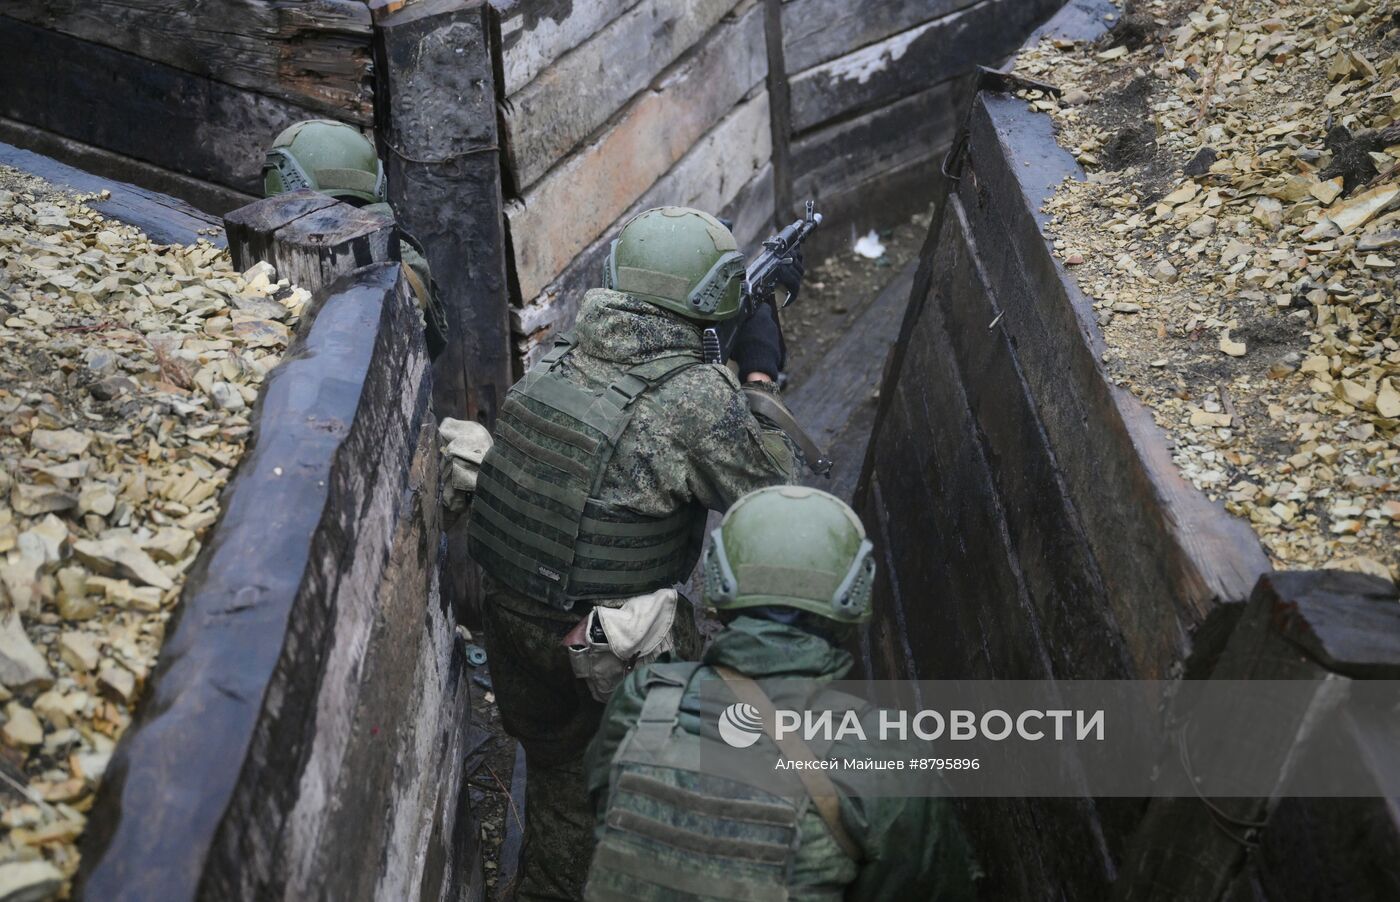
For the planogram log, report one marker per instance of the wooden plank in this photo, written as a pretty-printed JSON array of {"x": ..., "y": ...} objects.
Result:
[
  {"x": 207, "y": 197},
  {"x": 314, "y": 55},
  {"x": 1201, "y": 554},
  {"x": 730, "y": 162},
  {"x": 164, "y": 219},
  {"x": 582, "y": 90},
  {"x": 576, "y": 202},
  {"x": 815, "y": 31},
  {"x": 780, "y": 92},
  {"x": 909, "y": 61},
  {"x": 150, "y": 111},
  {"x": 885, "y": 199},
  {"x": 535, "y": 33},
  {"x": 438, "y": 128},
  {"x": 1180, "y": 851},
  {"x": 838, "y": 159}
]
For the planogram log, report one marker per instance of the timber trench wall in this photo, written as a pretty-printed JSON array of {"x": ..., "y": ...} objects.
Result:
[
  {"x": 305, "y": 732},
  {"x": 745, "y": 109},
  {"x": 1033, "y": 526}
]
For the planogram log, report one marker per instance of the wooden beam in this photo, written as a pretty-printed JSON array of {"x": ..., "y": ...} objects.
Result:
[
  {"x": 912, "y": 60},
  {"x": 309, "y": 238},
  {"x": 837, "y": 159},
  {"x": 437, "y": 125},
  {"x": 146, "y": 110},
  {"x": 576, "y": 202},
  {"x": 1184, "y": 848},
  {"x": 164, "y": 219},
  {"x": 535, "y": 33},
  {"x": 815, "y": 31},
  {"x": 313, "y": 55},
  {"x": 211, "y": 199},
  {"x": 781, "y": 101},
  {"x": 582, "y": 90},
  {"x": 721, "y": 169}
]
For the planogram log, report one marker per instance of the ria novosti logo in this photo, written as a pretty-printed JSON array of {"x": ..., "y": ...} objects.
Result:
[{"x": 740, "y": 725}]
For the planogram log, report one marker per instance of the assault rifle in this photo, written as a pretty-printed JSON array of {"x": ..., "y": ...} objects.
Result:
[{"x": 760, "y": 278}]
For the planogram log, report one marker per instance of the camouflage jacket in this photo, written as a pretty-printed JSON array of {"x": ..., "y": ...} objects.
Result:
[
  {"x": 692, "y": 438},
  {"x": 912, "y": 848}
]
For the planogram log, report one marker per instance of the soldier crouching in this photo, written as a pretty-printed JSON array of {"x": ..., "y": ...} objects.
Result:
[{"x": 790, "y": 572}]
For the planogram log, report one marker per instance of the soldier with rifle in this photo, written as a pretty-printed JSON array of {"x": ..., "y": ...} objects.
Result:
[{"x": 590, "y": 505}]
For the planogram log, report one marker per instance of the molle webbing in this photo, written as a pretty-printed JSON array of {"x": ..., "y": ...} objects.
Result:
[
  {"x": 536, "y": 524},
  {"x": 673, "y": 832}
]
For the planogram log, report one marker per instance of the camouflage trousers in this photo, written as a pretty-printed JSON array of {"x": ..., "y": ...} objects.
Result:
[{"x": 554, "y": 717}]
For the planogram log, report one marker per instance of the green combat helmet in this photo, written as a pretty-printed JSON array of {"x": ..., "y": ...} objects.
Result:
[
  {"x": 795, "y": 547},
  {"x": 330, "y": 157},
  {"x": 681, "y": 259}
]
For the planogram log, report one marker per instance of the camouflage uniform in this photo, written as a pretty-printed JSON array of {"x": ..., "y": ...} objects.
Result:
[
  {"x": 910, "y": 848},
  {"x": 691, "y": 443}
]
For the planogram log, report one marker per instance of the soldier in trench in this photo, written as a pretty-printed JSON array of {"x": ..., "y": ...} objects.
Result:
[
  {"x": 591, "y": 504},
  {"x": 790, "y": 572},
  {"x": 334, "y": 159}
]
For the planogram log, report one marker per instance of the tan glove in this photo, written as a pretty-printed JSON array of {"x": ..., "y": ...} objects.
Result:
[{"x": 464, "y": 444}]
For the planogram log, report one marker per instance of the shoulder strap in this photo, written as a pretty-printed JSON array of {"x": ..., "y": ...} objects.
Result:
[
  {"x": 562, "y": 346},
  {"x": 630, "y": 386},
  {"x": 769, "y": 407},
  {"x": 825, "y": 796},
  {"x": 665, "y": 686}
]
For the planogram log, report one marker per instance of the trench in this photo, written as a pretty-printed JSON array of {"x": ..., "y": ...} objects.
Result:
[{"x": 328, "y": 729}]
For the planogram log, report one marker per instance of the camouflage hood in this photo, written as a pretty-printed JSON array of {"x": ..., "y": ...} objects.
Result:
[{"x": 620, "y": 328}]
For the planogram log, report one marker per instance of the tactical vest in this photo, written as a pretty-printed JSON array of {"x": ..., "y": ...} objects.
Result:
[
  {"x": 536, "y": 523},
  {"x": 673, "y": 832}
]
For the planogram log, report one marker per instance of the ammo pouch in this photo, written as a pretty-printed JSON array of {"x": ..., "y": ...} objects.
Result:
[{"x": 611, "y": 642}]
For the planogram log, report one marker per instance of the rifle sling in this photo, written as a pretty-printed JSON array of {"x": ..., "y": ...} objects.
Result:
[
  {"x": 765, "y": 405},
  {"x": 825, "y": 797}
]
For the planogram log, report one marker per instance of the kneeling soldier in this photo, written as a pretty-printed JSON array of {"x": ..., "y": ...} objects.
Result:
[{"x": 790, "y": 572}]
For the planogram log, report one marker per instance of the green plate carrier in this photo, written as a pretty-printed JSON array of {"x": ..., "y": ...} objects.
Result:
[
  {"x": 674, "y": 833},
  {"x": 536, "y": 524}
]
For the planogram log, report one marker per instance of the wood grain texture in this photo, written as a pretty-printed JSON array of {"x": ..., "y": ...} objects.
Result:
[
  {"x": 535, "y": 33},
  {"x": 726, "y": 170},
  {"x": 313, "y": 54},
  {"x": 815, "y": 31},
  {"x": 208, "y": 198},
  {"x": 164, "y": 219},
  {"x": 438, "y": 131},
  {"x": 582, "y": 90},
  {"x": 312, "y": 613},
  {"x": 576, "y": 202},
  {"x": 910, "y": 61},
  {"x": 150, "y": 111},
  {"x": 841, "y": 157}
]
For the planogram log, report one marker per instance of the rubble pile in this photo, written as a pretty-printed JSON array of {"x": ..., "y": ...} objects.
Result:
[
  {"x": 126, "y": 374},
  {"x": 1239, "y": 235}
]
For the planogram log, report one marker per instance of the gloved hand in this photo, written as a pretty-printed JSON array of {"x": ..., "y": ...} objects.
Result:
[
  {"x": 464, "y": 444},
  {"x": 759, "y": 346},
  {"x": 789, "y": 276}
]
